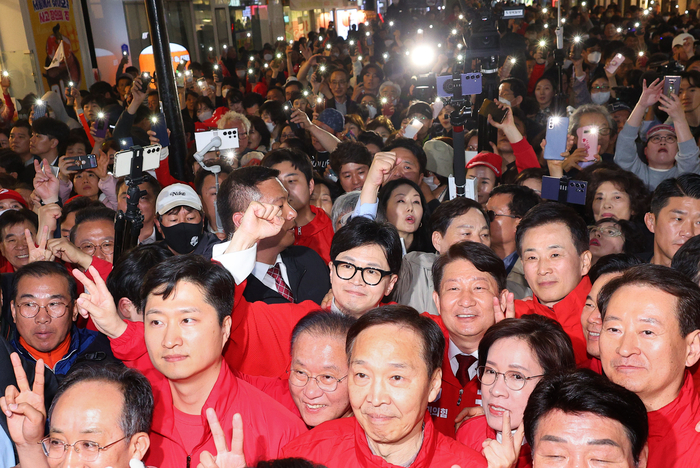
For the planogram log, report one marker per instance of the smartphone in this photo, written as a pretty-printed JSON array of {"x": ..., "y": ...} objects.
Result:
[
  {"x": 488, "y": 107},
  {"x": 39, "y": 109},
  {"x": 588, "y": 138},
  {"x": 101, "y": 127},
  {"x": 320, "y": 105},
  {"x": 578, "y": 48},
  {"x": 387, "y": 107},
  {"x": 229, "y": 139},
  {"x": 80, "y": 163},
  {"x": 146, "y": 79},
  {"x": 412, "y": 129},
  {"x": 218, "y": 75},
  {"x": 615, "y": 63},
  {"x": 122, "y": 160},
  {"x": 125, "y": 50},
  {"x": 557, "y": 133},
  {"x": 288, "y": 108},
  {"x": 159, "y": 126},
  {"x": 672, "y": 85},
  {"x": 564, "y": 190},
  {"x": 125, "y": 143}
]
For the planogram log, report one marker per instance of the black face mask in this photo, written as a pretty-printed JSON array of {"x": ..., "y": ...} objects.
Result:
[{"x": 183, "y": 237}]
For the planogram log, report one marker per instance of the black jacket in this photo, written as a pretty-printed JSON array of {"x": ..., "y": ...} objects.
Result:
[{"x": 307, "y": 273}]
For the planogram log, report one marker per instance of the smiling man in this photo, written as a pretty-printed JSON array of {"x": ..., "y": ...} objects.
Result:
[
  {"x": 13, "y": 242},
  {"x": 650, "y": 337},
  {"x": 395, "y": 357},
  {"x": 552, "y": 241}
]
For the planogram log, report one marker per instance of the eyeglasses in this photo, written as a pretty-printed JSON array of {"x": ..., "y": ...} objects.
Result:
[
  {"x": 667, "y": 138},
  {"x": 472, "y": 148},
  {"x": 493, "y": 215},
  {"x": 107, "y": 247},
  {"x": 605, "y": 131},
  {"x": 87, "y": 450},
  {"x": 371, "y": 276},
  {"x": 604, "y": 231},
  {"x": 338, "y": 83},
  {"x": 31, "y": 309},
  {"x": 601, "y": 88},
  {"x": 325, "y": 382},
  {"x": 514, "y": 380}
]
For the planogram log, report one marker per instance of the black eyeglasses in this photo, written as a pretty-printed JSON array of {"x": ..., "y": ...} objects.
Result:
[
  {"x": 493, "y": 215},
  {"x": 371, "y": 276}
]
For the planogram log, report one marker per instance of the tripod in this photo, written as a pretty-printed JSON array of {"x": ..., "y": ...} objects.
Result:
[{"x": 128, "y": 225}]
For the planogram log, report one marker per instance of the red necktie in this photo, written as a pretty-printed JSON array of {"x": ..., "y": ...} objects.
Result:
[
  {"x": 281, "y": 286},
  {"x": 465, "y": 362}
]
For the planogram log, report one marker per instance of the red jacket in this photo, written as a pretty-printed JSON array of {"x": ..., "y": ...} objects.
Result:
[
  {"x": 277, "y": 389},
  {"x": 268, "y": 426},
  {"x": 673, "y": 442},
  {"x": 595, "y": 365},
  {"x": 567, "y": 312},
  {"x": 316, "y": 235},
  {"x": 525, "y": 156},
  {"x": 342, "y": 443},
  {"x": 474, "y": 431},
  {"x": 452, "y": 398}
]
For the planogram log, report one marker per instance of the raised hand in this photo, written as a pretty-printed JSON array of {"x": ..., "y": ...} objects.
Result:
[
  {"x": 68, "y": 252},
  {"x": 48, "y": 215},
  {"x": 225, "y": 457},
  {"x": 38, "y": 253},
  {"x": 468, "y": 413},
  {"x": 650, "y": 94},
  {"x": 382, "y": 166},
  {"x": 672, "y": 106},
  {"x": 97, "y": 303},
  {"x": 300, "y": 117},
  {"x": 504, "y": 454},
  {"x": 504, "y": 309},
  {"x": 24, "y": 406},
  {"x": 45, "y": 183},
  {"x": 260, "y": 221}
]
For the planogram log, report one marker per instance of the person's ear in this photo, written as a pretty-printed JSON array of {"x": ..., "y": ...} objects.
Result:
[
  {"x": 435, "y": 385},
  {"x": 157, "y": 223},
  {"x": 237, "y": 217},
  {"x": 54, "y": 142},
  {"x": 75, "y": 312},
  {"x": 226, "y": 326},
  {"x": 586, "y": 258},
  {"x": 649, "y": 220},
  {"x": 390, "y": 285},
  {"x": 643, "y": 457},
  {"x": 311, "y": 186},
  {"x": 437, "y": 240},
  {"x": 14, "y": 311},
  {"x": 517, "y": 101},
  {"x": 140, "y": 442},
  {"x": 127, "y": 309},
  {"x": 693, "y": 348}
]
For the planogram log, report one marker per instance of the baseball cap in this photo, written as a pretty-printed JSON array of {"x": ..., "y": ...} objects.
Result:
[
  {"x": 7, "y": 194},
  {"x": 661, "y": 128},
  {"x": 618, "y": 106},
  {"x": 440, "y": 157},
  {"x": 177, "y": 195},
  {"x": 490, "y": 160},
  {"x": 333, "y": 118},
  {"x": 680, "y": 39}
]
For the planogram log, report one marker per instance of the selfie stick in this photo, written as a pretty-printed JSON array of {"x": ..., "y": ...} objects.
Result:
[
  {"x": 559, "y": 54},
  {"x": 215, "y": 143},
  {"x": 458, "y": 118},
  {"x": 128, "y": 225}
]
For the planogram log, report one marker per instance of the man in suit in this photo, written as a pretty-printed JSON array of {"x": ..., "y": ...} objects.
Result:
[{"x": 283, "y": 273}]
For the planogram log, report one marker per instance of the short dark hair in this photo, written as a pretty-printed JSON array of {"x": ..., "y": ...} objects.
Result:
[
  {"x": 433, "y": 341},
  {"x": 613, "y": 263},
  {"x": 516, "y": 85},
  {"x": 350, "y": 152},
  {"x": 261, "y": 128},
  {"x": 54, "y": 129},
  {"x": 129, "y": 270},
  {"x": 252, "y": 99},
  {"x": 442, "y": 217},
  {"x": 370, "y": 137},
  {"x": 687, "y": 259},
  {"x": 215, "y": 282},
  {"x": 551, "y": 213},
  {"x": 625, "y": 181},
  {"x": 523, "y": 199},
  {"x": 545, "y": 337},
  {"x": 276, "y": 111},
  {"x": 42, "y": 269},
  {"x": 238, "y": 190},
  {"x": 22, "y": 123},
  {"x": 584, "y": 391},
  {"x": 483, "y": 259},
  {"x": 13, "y": 217},
  {"x": 413, "y": 147},
  {"x": 202, "y": 175},
  {"x": 321, "y": 323},
  {"x": 296, "y": 158},
  {"x": 148, "y": 179},
  {"x": 75, "y": 138},
  {"x": 665, "y": 279},
  {"x": 362, "y": 231},
  {"x": 101, "y": 88},
  {"x": 11, "y": 161},
  {"x": 90, "y": 97},
  {"x": 77, "y": 204},
  {"x": 687, "y": 185},
  {"x": 96, "y": 213},
  {"x": 138, "y": 396}
]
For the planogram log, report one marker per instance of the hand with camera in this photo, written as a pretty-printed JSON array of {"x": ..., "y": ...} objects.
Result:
[
  {"x": 139, "y": 95},
  {"x": 93, "y": 132},
  {"x": 508, "y": 125},
  {"x": 64, "y": 168},
  {"x": 672, "y": 106}
]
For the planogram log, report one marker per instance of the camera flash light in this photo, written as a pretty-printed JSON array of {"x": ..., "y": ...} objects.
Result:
[
  {"x": 513, "y": 60},
  {"x": 100, "y": 115}
]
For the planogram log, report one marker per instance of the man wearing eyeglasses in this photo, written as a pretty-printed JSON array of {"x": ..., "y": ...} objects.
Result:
[
  {"x": 43, "y": 310},
  {"x": 338, "y": 83},
  {"x": 670, "y": 150}
]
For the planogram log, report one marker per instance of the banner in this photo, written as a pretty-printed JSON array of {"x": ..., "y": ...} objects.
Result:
[{"x": 55, "y": 36}]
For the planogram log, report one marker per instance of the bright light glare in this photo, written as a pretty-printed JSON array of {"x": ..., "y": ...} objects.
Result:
[
  {"x": 100, "y": 115},
  {"x": 248, "y": 35},
  {"x": 422, "y": 55},
  {"x": 454, "y": 32},
  {"x": 420, "y": 31},
  {"x": 542, "y": 43},
  {"x": 636, "y": 25},
  {"x": 461, "y": 16},
  {"x": 70, "y": 83},
  {"x": 366, "y": 23},
  {"x": 251, "y": 58},
  {"x": 39, "y": 102},
  {"x": 563, "y": 20},
  {"x": 216, "y": 67},
  {"x": 646, "y": 12},
  {"x": 577, "y": 39},
  {"x": 391, "y": 23},
  {"x": 367, "y": 34},
  {"x": 359, "y": 58},
  {"x": 385, "y": 55},
  {"x": 583, "y": 3},
  {"x": 546, "y": 25},
  {"x": 266, "y": 65},
  {"x": 211, "y": 49},
  {"x": 319, "y": 99},
  {"x": 619, "y": 30},
  {"x": 352, "y": 42},
  {"x": 513, "y": 60},
  {"x": 641, "y": 53},
  {"x": 7, "y": 73},
  {"x": 440, "y": 45},
  {"x": 594, "y": 130},
  {"x": 556, "y": 120},
  {"x": 460, "y": 57},
  {"x": 225, "y": 46},
  {"x": 154, "y": 119},
  {"x": 544, "y": 10},
  {"x": 459, "y": 46}
]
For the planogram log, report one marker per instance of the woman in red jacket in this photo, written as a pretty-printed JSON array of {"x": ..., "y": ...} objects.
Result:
[{"x": 514, "y": 355}]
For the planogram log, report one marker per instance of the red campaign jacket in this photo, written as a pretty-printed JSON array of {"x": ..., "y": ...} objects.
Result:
[
  {"x": 673, "y": 442},
  {"x": 567, "y": 312},
  {"x": 316, "y": 235},
  {"x": 452, "y": 398},
  {"x": 277, "y": 389},
  {"x": 525, "y": 156},
  {"x": 595, "y": 365},
  {"x": 342, "y": 443},
  {"x": 474, "y": 431},
  {"x": 267, "y": 425}
]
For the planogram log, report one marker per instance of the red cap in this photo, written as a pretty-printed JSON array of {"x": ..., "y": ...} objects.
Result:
[
  {"x": 490, "y": 160},
  {"x": 212, "y": 122},
  {"x": 6, "y": 194}
]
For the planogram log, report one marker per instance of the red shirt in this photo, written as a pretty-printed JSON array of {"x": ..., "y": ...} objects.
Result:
[
  {"x": 595, "y": 365},
  {"x": 673, "y": 442},
  {"x": 276, "y": 388},
  {"x": 474, "y": 431},
  {"x": 567, "y": 312},
  {"x": 452, "y": 398},
  {"x": 316, "y": 235},
  {"x": 342, "y": 443}
]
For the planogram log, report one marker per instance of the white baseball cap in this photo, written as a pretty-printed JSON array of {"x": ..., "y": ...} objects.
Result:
[{"x": 177, "y": 195}]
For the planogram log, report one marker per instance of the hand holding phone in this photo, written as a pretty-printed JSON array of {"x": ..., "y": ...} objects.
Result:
[
  {"x": 672, "y": 85},
  {"x": 412, "y": 128},
  {"x": 588, "y": 138},
  {"x": 615, "y": 63},
  {"x": 557, "y": 133},
  {"x": 39, "y": 109},
  {"x": 80, "y": 163},
  {"x": 488, "y": 107}
]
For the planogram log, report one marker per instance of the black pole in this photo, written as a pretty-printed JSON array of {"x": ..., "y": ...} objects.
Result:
[
  {"x": 167, "y": 89},
  {"x": 88, "y": 33}
]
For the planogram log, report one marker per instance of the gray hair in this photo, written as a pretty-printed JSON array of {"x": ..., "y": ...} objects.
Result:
[
  {"x": 343, "y": 205},
  {"x": 232, "y": 116},
  {"x": 575, "y": 121},
  {"x": 387, "y": 84}
]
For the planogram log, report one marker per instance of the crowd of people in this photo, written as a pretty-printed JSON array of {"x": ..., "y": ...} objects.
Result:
[{"x": 316, "y": 298}]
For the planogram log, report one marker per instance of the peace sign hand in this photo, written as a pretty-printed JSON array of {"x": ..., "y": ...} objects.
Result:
[
  {"x": 25, "y": 408},
  {"x": 504, "y": 309},
  {"x": 504, "y": 454},
  {"x": 39, "y": 253},
  {"x": 225, "y": 458}
]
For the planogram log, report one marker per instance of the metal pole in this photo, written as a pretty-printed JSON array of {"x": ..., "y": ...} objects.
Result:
[{"x": 167, "y": 89}]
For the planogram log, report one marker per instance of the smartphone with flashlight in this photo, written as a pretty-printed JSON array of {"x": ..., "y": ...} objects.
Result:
[
  {"x": 412, "y": 129},
  {"x": 159, "y": 126},
  {"x": 672, "y": 85},
  {"x": 146, "y": 79},
  {"x": 288, "y": 108},
  {"x": 101, "y": 126},
  {"x": 488, "y": 107},
  {"x": 588, "y": 138},
  {"x": 387, "y": 108},
  {"x": 557, "y": 133},
  {"x": 39, "y": 109},
  {"x": 615, "y": 63},
  {"x": 125, "y": 50}
]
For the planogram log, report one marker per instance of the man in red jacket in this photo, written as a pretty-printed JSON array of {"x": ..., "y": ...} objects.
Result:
[
  {"x": 650, "y": 337},
  {"x": 187, "y": 305},
  {"x": 395, "y": 357},
  {"x": 552, "y": 241},
  {"x": 468, "y": 277}
]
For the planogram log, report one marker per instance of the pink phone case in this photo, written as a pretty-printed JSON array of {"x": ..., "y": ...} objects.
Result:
[
  {"x": 588, "y": 140},
  {"x": 615, "y": 63}
]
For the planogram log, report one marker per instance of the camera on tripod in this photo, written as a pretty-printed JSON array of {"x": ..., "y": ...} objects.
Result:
[{"x": 485, "y": 40}]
